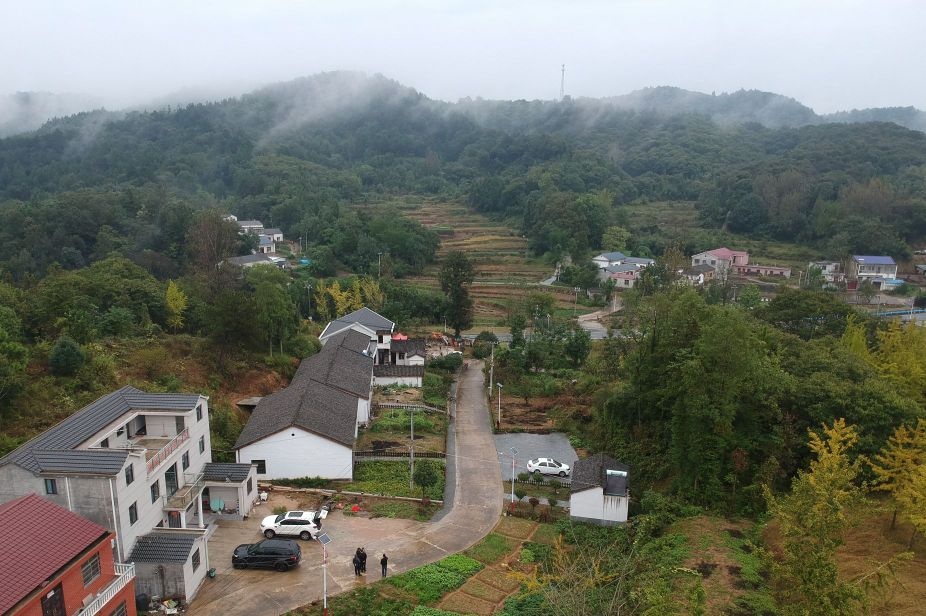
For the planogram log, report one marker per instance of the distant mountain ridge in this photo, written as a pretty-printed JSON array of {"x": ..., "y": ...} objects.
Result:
[{"x": 343, "y": 90}]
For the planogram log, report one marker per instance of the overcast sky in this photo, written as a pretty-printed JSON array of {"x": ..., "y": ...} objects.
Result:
[{"x": 830, "y": 55}]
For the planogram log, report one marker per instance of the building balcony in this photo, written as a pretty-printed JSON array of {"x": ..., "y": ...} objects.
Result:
[
  {"x": 125, "y": 573},
  {"x": 158, "y": 457},
  {"x": 188, "y": 493}
]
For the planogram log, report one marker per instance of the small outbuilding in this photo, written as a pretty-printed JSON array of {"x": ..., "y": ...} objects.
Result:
[
  {"x": 600, "y": 491},
  {"x": 170, "y": 564}
]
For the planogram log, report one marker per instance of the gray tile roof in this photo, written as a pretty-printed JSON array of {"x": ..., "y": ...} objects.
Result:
[
  {"x": 364, "y": 316},
  {"x": 391, "y": 370},
  {"x": 81, "y": 461},
  {"x": 351, "y": 339},
  {"x": 306, "y": 404},
  {"x": 89, "y": 420},
  {"x": 339, "y": 366},
  {"x": 248, "y": 260},
  {"x": 412, "y": 346},
  {"x": 162, "y": 548},
  {"x": 593, "y": 472},
  {"x": 701, "y": 268},
  {"x": 612, "y": 256},
  {"x": 219, "y": 471}
]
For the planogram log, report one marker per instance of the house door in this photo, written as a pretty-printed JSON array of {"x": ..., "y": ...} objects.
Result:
[
  {"x": 173, "y": 519},
  {"x": 170, "y": 479},
  {"x": 53, "y": 602}
]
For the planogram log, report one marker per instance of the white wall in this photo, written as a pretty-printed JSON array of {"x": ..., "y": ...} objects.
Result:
[
  {"x": 414, "y": 360},
  {"x": 363, "y": 412},
  {"x": 592, "y": 505},
  {"x": 402, "y": 381},
  {"x": 294, "y": 452}
]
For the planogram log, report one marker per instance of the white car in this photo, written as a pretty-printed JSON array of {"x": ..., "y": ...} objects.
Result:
[
  {"x": 303, "y": 524},
  {"x": 547, "y": 466}
]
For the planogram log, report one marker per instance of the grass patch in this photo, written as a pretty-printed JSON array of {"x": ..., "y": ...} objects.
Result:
[
  {"x": 392, "y": 478},
  {"x": 366, "y": 600},
  {"x": 515, "y": 527},
  {"x": 461, "y": 564},
  {"x": 423, "y": 610},
  {"x": 498, "y": 578},
  {"x": 546, "y": 534},
  {"x": 460, "y": 603},
  {"x": 753, "y": 569},
  {"x": 491, "y": 548},
  {"x": 397, "y": 420},
  {"x": 402, "y": 510}
]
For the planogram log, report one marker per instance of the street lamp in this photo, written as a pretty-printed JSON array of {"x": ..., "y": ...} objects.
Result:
[
  {"x": 324, "y": 539},
  {"x": 499, "y": 422},
  {"x": 576, "y": 303},
  {"x": 514, "y": 452}
]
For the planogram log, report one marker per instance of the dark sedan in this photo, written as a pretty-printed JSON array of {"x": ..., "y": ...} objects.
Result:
[{"x": 279, "y": 554}]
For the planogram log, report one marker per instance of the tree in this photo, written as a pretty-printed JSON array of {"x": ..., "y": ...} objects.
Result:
[
  {"x": 912, "y": 500},
  {"x": 749, "y": 297},
  {"x": 276, "y": 312},
  {"x": 13, "y": 355},
  {"x": 176, "y": 301},
  {"x": 897, "y": 464},
  {"x": 813, "y": 518},
  {"x": 578, "y": 345},
  {"x": 66, "y": 357},
  {"x": 211, "y": 239},
  {"x": 455, "y": 275},
  {"x": 615, "y": 238},
  {"x": 425, "y": 476},
  {"x": 867, "y": 290}
]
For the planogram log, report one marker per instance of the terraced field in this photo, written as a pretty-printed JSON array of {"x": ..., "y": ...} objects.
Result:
[{"x": 504, "y": 272}]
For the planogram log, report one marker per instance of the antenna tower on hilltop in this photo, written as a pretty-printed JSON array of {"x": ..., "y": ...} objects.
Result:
[{"x": 562, "y": 83}]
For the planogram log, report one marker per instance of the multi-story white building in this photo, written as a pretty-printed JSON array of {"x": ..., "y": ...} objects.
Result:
[{"x": 140, "y": 465}]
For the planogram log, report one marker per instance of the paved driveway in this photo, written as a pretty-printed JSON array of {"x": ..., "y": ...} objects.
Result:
[
  {"x": 532, "y": 446},
  {"x": 472, "y": 512}
]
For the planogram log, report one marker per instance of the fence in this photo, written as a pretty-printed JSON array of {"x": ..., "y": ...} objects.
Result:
[{"x": 403, "y": 454}]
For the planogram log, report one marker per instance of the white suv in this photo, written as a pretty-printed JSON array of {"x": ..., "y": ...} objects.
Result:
[
  {"x": 302, "y": 524},
  {"x": 547, "y": 466}
]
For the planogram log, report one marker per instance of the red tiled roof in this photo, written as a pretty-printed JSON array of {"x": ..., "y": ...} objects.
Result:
[
  {"x": 726, "y": 253},
  {"x": 37, "y": 538}
]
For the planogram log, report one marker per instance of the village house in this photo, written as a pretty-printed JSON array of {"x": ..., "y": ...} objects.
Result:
[
  {"x": 63, "y": 564},
  {"x": 309, "y": 428},
  {"x": 607, "y": 259},
  {"x": 697, "y": 275},
  {"x": 830, "y": 270},
  {"x": 877, "y": 268},
  {"x": 247, "y": 261},
  {"x": 134, "y": 463},
  {"x": 250, "y": 226},
  {"x": 723, "y": 260},
  {"x": 624, "y": 276},
  {"x": 406, "y": 363},
  {"x": 599, "y": 491}
]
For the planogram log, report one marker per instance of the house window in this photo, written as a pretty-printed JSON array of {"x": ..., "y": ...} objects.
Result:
[
  {"x": 199, "y": 413},
  {"x": 196, "y": 559},
  {"x": 250, "y": 485},
  {"x": 51, "y": 486},
  {"x": 133, "y": 513},
  {"x": 105, "y": 443},
  {"x": 180, "y": 424},
  {"x": 185, "y": 460},
  {"x": 129, "y": 474},
  {"x": 202, "y": 444},
  {"x": 120, "y": 611},
  {"x": 261, "y": 466},
  {"x": 90, "y": 570},
  {"x": 155, "y": 491}
]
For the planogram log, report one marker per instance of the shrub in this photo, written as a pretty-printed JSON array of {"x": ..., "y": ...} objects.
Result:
[
  {"x": 490, "y": 549},
  {"x": 534, "y": 501},
  {"x": 397, "y": 420},
  {"x": 304, "y": 482},
  {"x": 527, "y": 556},
  {"x": 66, "y": 357},
  {"x": 519, "y": 493},
  {"x": 279, "y": 510},
  {"x": 523, "y": 477},
  {"x": 556, "y": 485},
  {"x": 447, "y": 363},
  {"x": 423, "y": 610},
  {"x": 481, "y": 349},
  {"x": 552, "y": 502}
]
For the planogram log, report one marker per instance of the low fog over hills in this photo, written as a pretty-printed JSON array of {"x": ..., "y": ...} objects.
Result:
[{"x": 342, "y": 91}]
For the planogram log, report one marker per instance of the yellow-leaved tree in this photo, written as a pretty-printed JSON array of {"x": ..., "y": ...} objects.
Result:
[
  {"x": 912, "y": 501},
  {"x": 896, "y": 464},
  {"x": 813, "y": 519},
  {"x": 176, "y": 301},
  {"x": 855, "y": 340},
  {"x": 901, "y": 358}
]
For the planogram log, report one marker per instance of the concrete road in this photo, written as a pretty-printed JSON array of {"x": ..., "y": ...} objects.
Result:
[
  {"x": 472, "y": 510},
  {"x": 531, "y": 446}
]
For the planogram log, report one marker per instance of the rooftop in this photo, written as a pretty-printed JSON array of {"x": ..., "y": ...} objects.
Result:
[
  {"x": 55, "y": 537},
  {"x": 158, "y": 547},
  {"x": 873, "y": 260},
  {"x": 594, "y": 472},
  {"x": 364, "y": 316},
  {"x": 54, "y": 449},
  {"x": 226, "y": 471}
]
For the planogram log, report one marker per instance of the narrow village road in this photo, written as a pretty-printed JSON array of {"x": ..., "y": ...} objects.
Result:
[{"x": 476, "y": 491}]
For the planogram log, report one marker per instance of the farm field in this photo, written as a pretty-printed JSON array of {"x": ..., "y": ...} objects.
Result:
[{"x": 504, "y": 272}]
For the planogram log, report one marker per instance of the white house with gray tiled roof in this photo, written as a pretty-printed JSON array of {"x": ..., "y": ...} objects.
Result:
[
  {"x": 599, "y": 491},
  {"x": 131, "y": 461}
]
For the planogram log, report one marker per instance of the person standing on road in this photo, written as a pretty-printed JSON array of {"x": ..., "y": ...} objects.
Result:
[
  {"x": 363, "y": 560},
  {"x": 384, "y": 561},
  {"x": 357, "y": 563}
]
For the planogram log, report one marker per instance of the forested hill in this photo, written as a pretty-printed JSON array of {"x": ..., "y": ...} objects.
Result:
[{"x": 295, "y": 153}]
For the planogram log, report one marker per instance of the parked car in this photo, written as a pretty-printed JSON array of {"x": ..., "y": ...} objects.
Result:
[
  {"x": 279, "y": 554},
  {"x": 302, "y": 524},
  {"x": 547, "y": 466}
]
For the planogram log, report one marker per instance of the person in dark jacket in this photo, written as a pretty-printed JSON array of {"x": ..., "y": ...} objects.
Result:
[
  {"x": 356, "y": 564},
  {"x": 384, "y": 561},
  {"x": 363, "y": 560}
]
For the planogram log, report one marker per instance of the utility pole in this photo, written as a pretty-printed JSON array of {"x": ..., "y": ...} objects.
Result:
[
  {"x": 562, "y": 83},
  {"x": 491, "y": 372},
  {"x": 380, "y": 267},
  {"x": 576, "y": 303},
  {"x": 411, "y": 461},
  {"x": 514, "y": 453},
  {"x": 499, "y": 406}
]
